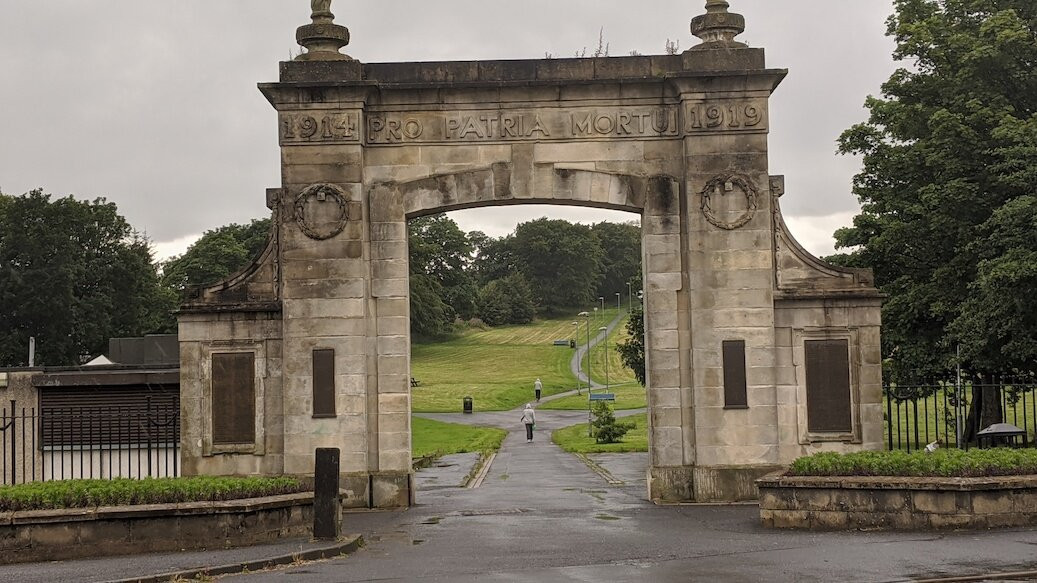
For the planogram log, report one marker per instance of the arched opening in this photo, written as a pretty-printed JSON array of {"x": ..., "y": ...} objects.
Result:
[{"x": 567, "y": 340}]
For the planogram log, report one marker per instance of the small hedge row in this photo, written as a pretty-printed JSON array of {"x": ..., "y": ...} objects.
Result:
[
  {"x": 944, "y": 463},
  {"x": 94, "y": 493}
]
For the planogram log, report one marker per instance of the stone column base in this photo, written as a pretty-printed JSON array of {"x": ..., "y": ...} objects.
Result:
[
  {"x": 706, "y": 483},
  {"x": 381, "y": 490},
  {"x": 671, "y": 484}
]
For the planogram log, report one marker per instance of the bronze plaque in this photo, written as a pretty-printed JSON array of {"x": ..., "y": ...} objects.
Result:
[
  {"x": 234, "y": 398},
  {"x": 828, "y": 385},
  {"x": 323, "y": 383},
  {"x": 735, "y": 396}
]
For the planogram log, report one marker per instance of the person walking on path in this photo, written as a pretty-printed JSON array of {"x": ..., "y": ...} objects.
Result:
[
  {"x": 529, "y": 419},
  {"x": 538, "y": 387}
]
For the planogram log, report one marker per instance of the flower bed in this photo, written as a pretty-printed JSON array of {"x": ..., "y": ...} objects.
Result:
[
  {"x": 68, "y": 520},
  {"x": 946, "y": 490}
]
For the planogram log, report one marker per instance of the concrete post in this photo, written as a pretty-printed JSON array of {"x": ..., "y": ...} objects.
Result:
[{"x": 327, "y": 519}]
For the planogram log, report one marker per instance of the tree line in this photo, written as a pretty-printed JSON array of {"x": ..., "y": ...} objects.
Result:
[
  {"x": 544, "y": 267},
  {"x": 75, "y": 273}
]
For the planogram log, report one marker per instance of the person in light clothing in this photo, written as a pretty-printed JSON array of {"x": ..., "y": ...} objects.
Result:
[
  {"x": 529, "y": 419},
  {"x": 538, "y": 387}
]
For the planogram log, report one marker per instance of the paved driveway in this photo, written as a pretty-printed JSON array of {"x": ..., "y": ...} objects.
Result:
[{"x": 543, "y": 515}]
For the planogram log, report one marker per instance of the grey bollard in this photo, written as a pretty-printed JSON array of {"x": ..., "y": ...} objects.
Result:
[{"x": 326, "y": 507}]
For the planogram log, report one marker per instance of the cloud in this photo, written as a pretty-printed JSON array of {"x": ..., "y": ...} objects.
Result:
[
  {"x": 167, "y": 249},
  {"x": 815, "y": 233},
  {"x": 154, "y": 104}
]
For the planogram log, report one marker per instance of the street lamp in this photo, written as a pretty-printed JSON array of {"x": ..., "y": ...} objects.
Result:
[
  {"x": 605, "y": 330},
  {"x": 619, "y": 300},
  {"x": 587, "y": 315},
  {"x": 630, "y": 298},
  {"x": 579, "y": 361},
  {"x": 588, "y": 318},
  {"x": 602, "y": 300}
]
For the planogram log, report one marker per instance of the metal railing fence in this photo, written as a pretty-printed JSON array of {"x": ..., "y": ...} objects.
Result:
[
  {"x": 916, "y": 415},
  {"x": 66, "y": 443}
]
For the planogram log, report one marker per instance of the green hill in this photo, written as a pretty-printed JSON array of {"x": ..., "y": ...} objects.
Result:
[{"x": 496, "y": 367}]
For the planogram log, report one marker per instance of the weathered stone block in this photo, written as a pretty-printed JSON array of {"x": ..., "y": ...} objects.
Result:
[{"x": 392, "y": 490}]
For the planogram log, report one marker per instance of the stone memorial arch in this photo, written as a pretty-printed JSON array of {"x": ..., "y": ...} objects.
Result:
[{"x": 757, "y": 352}]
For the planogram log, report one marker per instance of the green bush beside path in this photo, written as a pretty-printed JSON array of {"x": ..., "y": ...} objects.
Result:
[
  {"x": 574, "y": 439},
  {"x": 945, "y": 463},
  {"x": 123, "y": 492}
]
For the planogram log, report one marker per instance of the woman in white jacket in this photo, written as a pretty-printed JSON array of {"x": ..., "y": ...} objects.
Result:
[{"x": 529, "y": 419}]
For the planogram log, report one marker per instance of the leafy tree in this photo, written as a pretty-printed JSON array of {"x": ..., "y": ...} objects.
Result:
[
  {"x": 429, "y": 315},
  {"x": 606, "y": 428},
  {"x": 621, "y": 261},
  {"x": 219, "y": 254},
  {"x": 632, "y": 352},
  {"x": 442, "y": 251},
  {"x": 998, "y": 321},
  {"x": 562, "y": 261},
  {"x": 494, "y": 257},
  {"x": 73, "y": 274},
  {"x": 950, "y": 159},
  {"x": 506, "y": 301}
]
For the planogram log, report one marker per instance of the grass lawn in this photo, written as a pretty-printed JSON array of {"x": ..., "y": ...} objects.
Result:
[
  {"x": 574, "y": 439},
  {"x": 436, "y": 438},
  {"x": 496, "y": 367},
  {"x": 628, "y": 396},
  {"x": 618, "y": 373}
]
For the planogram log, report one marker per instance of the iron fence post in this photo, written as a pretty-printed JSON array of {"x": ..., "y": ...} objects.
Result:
[{"x": 14, "y": 446}]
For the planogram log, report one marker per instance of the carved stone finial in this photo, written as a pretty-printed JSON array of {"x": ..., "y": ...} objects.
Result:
[
  {"x": 322, "y": 38},
  {"x": 717, "y": 27}
]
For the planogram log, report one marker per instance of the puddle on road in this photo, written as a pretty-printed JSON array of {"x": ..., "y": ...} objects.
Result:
[{"x": 607, "y": 517}]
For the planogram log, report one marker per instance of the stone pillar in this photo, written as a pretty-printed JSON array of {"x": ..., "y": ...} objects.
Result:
[
  {"x": 727, "y": 273},
  {"x": 668, "y": 345}
]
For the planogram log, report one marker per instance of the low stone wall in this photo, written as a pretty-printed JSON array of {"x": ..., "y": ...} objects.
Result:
[
  {"x": 844, "y": 503},
  {"x": 52, "y": 535}
]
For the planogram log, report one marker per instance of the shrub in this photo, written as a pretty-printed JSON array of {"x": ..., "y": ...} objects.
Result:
[
  {"x": 123, "y": 492},
  {"x": 948, "y": 463},
  {"x": 606, "y": 428}
]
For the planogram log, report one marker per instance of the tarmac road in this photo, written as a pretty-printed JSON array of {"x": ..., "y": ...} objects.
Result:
[{"x": 544, "y": 515}]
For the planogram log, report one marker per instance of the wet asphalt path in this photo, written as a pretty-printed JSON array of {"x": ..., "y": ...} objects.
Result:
[{"x": 543, "y": 515}]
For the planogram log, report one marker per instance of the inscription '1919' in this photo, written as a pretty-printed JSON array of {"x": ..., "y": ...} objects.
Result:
[{"x": 725, "y": 116}]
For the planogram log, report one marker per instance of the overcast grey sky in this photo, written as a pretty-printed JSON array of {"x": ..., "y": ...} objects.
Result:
[{"x": 154, "y": 105}]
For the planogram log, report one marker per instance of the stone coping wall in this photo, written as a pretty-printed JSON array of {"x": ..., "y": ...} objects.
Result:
[
  {"x": 888, "y": 503},
  {"x": 53, "y": 535}
]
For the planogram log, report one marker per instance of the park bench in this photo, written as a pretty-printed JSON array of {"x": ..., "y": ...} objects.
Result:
[{"x": 414, "y": 382}]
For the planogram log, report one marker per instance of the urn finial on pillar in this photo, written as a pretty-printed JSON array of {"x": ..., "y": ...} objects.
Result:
[
  {"x": 717, "y": 27},
  {"x": 322, "y": 38}
]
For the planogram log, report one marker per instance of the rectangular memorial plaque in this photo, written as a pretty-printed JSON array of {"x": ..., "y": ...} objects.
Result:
[
  {"x": 323, "y": 383},
  {"x": 735, "y": 390},
  {"x": 828, "y": 385},
  {"x": 233, "y": 398}
]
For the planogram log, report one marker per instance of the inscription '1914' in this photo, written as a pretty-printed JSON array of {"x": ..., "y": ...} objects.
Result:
[{"x": 320, "y": 127}]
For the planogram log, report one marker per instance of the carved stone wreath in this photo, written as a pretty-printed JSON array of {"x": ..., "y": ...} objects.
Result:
[
  {"x": 722, "y": 185},
  {"x": 322, "y": 193}
]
